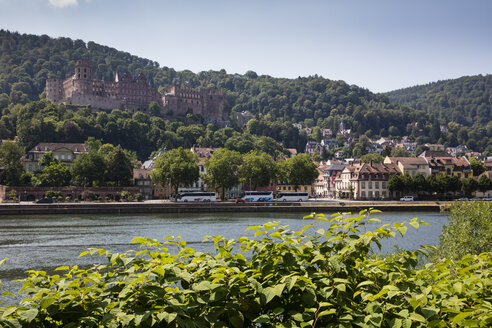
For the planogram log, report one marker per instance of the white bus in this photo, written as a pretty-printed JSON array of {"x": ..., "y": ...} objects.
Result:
[
  {"x": 257, "y": 196},
  {"x": 196, "y": 196},
  {"x": 292, "y": 197}
]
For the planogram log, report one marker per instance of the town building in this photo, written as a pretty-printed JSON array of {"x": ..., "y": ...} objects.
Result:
[
  {"x": 441, "y": 162},
  {"x": 329, "y": 175},
  {"x": 203, "y": 154},
  {"x": 365, "y": 181},
  {"x": 143, "y": 181},
  {"x": 64, "y": 152},
  {"x": 133, "y": 94},
  {"x": 313, "y": 147},
  {"x": 410, "y": 166}
]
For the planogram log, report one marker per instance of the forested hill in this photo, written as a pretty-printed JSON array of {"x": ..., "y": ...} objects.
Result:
[
  {"x": 466, "y": 100},
  {"x": 27, "y": 60}
]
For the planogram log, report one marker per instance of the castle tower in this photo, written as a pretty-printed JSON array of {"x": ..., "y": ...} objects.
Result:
[
  {"x": 54, "y": 90},
  {"x": 83, "y": 70},
  {"x": 82, "y": 80}
]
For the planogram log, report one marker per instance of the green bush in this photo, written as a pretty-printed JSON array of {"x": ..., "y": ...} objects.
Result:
[
  {"x": 278, "y": 278},
  {"x": 469, "y": 230}
]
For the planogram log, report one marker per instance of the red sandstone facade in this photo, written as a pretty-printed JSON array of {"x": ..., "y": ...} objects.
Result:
[{"x": 126, "y": 93}]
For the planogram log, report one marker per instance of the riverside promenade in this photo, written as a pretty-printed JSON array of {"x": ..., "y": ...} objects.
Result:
[{"x": 159, "y": 206}]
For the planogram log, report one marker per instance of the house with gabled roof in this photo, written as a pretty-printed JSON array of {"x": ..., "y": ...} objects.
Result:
[
  {"x": 64, "y": 152},
  {"x": 365, "y": 181}
]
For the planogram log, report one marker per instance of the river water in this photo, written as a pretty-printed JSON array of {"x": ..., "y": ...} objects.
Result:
[{"x": 44, "y": 242}]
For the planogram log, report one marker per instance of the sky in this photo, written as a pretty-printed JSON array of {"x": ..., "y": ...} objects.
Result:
[{"x": 381, "y": 45}]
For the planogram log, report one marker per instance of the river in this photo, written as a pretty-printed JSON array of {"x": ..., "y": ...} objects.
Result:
[{"x": 44, "y": 242}]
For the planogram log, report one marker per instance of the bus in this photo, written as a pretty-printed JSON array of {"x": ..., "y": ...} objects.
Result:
[
  {"x": 196, "y": 196},
  {"x": 257, "y": 196},
  {"x": 292, "y": 197}
]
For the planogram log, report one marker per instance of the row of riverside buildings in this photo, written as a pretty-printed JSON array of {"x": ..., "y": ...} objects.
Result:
[{"x": 337, "y": 179}]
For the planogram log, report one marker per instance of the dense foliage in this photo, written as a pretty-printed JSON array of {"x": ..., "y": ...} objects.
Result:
[
  {"x": 279, "y": 278},
  {"x": 469, "y": 230},
  {"x": 177, "y": 167},
  {"x": 437, "y": 186},
  {"x": 464, "y": 105}
]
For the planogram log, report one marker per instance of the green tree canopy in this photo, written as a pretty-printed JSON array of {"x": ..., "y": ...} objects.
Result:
[
  {"x": 89, "y": 169},
  {"x": 54, "y": 174},
  {"x": 11, "y": 168},
  {"x": 469, "y": 230},
  {"x": 400, "y": 152},
  {"x": 119, "y": 167},
  {"x": 372, "y": 157},
  {"x": 477, "y": 166},
  {"x": 176, "y": 167},
  {"x": 223, "y": 170},
  {"x": 257, "y": 170},
  {"x": 299, "y": 170}
]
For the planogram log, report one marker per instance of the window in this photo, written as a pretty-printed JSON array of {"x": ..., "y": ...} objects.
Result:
[
  {"x": 363, "y": 194},
  {"x": 363, "y": 185},
  {"x": 369, "y": 185},
  {"x": 383, "y": 185},
  {"x": 376, "y": 185}
]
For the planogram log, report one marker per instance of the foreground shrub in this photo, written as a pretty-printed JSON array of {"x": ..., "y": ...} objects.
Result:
[
  {"x": 469, "y": 230},
  {"x": 278, "y": 278}
]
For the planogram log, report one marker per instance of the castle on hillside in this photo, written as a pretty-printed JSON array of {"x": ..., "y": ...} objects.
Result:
[{"x": 131, "y": 94}]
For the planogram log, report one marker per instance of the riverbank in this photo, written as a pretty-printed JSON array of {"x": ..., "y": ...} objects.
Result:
[{"x": 26, "y": 208}]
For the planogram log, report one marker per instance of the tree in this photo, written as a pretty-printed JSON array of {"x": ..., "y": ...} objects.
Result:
[
  {"x": 469, "y": 230},
  {"x": 372, "y": 157},
  {"x": 176, "y": 167},
  {"x": 89, "y": 169},
  {"x": 484, "y": 183},
  {"x": 300, "y": 170},
  {"x": 223, "y": 170},
  {"x": 11, "y": 168},
  {"x": 477, "y": 166},
  {"x": 55, "y": 174},
  {"x": 119, "y": 167},
  {"x": 154, "y": 109},
  {"x": 469, "y": 186},
  {"x": 47, "y": 159},
  {"x": 257, "y": 170},
  {"x": 400, "y": 152},
  {"x": 396, "y": 183}
]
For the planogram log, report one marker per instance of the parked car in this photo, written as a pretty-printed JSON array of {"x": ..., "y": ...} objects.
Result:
[
  {"x": 45, "y": 200},
  {"x": 407, "y": 199},
  {"x": 462, "y": 199},
  {"x": 240, "y": 200}
]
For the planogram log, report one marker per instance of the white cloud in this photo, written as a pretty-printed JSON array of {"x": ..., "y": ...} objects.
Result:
[{"x": 63, "y": 3}]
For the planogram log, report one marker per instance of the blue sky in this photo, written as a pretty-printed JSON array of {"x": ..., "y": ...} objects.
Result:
[{"x": 381, "y": 45}]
